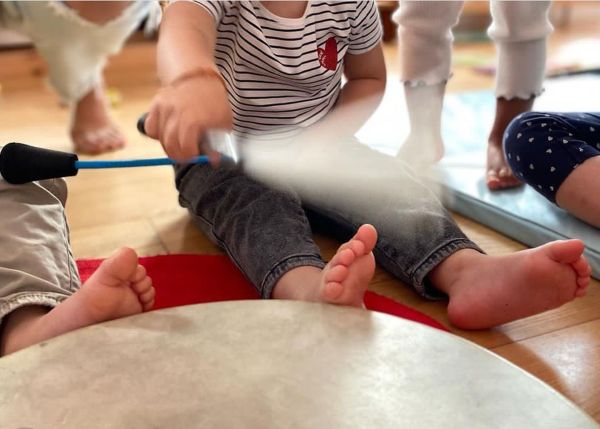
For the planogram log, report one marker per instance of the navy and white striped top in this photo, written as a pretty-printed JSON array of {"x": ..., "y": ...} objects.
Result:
[{"x": 284, "y": 73}]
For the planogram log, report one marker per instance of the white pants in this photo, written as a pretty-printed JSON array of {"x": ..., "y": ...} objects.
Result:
[
  {"x": 74, "y": 48},
  {"x": 519, "y": 30}
]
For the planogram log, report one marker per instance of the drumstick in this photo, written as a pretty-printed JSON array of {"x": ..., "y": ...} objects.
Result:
[{"x": 21, "y": 163}]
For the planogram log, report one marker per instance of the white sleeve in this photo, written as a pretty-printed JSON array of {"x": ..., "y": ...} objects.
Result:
[
  {"x": 425, "y": 40},
  {"x": 520, "y": 30},
  {"x": 366, "y": 28},
  {"x": 215, "y": 8}
]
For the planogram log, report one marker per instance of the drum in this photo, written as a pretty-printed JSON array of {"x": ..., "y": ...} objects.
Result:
[{"x": 281, "y": 364}]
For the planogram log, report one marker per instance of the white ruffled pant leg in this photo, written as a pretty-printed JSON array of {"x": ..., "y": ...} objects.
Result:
[
  {"x": 519, "y": 30},
  {"x": 425, "y": 40},
  {"x": 74, "y": 48}
]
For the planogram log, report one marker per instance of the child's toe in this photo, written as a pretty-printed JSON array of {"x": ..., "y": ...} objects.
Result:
[
  {"x": 142, "y": 286},
  {"x": 140, "y": 273},
  {"x": 148, "y": 296},
  {"x": 333, "y": 290},
  {"x": 146, "y": 306},
  {"x": 336, "y": 274},
  {"x": 343, "y": 257}
]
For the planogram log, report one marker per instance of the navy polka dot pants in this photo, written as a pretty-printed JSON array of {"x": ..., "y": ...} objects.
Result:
[{"x": 542, "y": 149}]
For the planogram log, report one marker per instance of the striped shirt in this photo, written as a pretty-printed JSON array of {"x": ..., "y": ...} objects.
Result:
[{"x": 284, "y": 73}]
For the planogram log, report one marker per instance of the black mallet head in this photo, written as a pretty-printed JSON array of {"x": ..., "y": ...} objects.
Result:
[{"x": 21, "y": 163}]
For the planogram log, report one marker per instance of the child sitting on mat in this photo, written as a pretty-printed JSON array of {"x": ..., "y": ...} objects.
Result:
[
  {"x": 557, "y": 154},
  {"x": 40, "y": 292},
  {"x": 260, "y": 67}
]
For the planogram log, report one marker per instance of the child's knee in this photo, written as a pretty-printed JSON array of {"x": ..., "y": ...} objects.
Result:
[
  {"x": 516, "y": 21},
  {"x": 425, "y": 19},
  {"x": 513, "y": 141},
  {"x": 520, "y": 146}
]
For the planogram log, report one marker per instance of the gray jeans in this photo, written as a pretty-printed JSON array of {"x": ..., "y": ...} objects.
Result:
[{"x": 267, "y": 231}]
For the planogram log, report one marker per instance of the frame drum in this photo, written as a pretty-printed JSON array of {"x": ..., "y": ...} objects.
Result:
[{"x": 280, "y": 364}]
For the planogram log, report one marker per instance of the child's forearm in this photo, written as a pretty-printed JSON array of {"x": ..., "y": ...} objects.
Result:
[
  {"x": 187, "y": 41},
  {"x": 358, "y": 100},
  {"x": 179, "y": 115}
]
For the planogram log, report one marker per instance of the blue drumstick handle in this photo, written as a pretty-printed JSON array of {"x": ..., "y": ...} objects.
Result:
[{"x": 203, "y": 159}]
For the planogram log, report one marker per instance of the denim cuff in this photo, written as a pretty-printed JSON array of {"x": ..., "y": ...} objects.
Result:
[
  {"x": 420, "y": 282},
  {"x": 282, "y": 267}
]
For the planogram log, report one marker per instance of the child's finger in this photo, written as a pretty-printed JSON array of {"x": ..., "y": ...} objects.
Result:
[
  {"x": 151, "y": 123},
  {"x": 214, "y": 157},
  {"x": 170, "y": 141},
  {"x": 189, "y": 136},
  {"x": 185, "y": 152}
]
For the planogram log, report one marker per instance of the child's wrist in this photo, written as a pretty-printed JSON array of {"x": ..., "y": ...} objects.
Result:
[{"x": 197, "y": 73}]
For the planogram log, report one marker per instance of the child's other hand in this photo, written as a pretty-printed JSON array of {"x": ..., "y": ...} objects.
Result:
[{"x": 181, "y": 114}]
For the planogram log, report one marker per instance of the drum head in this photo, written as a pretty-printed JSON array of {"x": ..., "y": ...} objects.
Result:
[{"x": 276, "y": 364}]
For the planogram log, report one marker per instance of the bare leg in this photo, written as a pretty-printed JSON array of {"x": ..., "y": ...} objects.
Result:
[
  {"x": 343, "y": 281},
  {"x": 119, "y": 288},
  {"x": 92, "y": 129},
  {"x": 519, "y": 31},
  {"x": 578, "y": 194},
  {"x": 98, "y": 12},
  {"x": 487, "y": 291},
  {"x": 498, "y": 173}
]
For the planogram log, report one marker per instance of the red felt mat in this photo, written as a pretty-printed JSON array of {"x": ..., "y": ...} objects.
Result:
[{"x": 194, "y": 279}]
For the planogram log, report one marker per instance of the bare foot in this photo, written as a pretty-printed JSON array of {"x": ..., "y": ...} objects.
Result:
[
  {"x": 344, "y": 279},
  {"x": 499, "y": 175},
  {"x": 118, "y": 288},
  {"x": 487, "y": 291},
  {"x": 92, "y": 129},
  {"x": 422, "y": 151}
]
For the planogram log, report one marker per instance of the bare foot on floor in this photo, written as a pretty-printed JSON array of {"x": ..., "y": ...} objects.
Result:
[
  {"x": 92, "y": 129},
  {"x": 491, "y": 290},
  {"x": 118, "y": 288},
  {"x": 346, "y": 277},
  {"x": 498, "y": 173}
]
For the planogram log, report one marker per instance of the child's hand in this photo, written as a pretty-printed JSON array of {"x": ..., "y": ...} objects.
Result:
[{"x": 180, "y": 114}]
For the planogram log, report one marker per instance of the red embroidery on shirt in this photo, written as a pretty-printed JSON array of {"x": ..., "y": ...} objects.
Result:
[{"x": 328, "y": 56}]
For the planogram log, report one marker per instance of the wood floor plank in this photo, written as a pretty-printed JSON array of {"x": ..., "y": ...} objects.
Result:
[
  {"x": 568, "y": 360},
  {"x": 101, "y": 241},
  {"x": 178, "y": 233}
]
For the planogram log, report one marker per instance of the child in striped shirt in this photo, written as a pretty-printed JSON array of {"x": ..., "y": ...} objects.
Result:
[{"x": 270, "y": 69}]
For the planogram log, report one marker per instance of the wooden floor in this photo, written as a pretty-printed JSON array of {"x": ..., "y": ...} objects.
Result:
[{"x": 138, "y": 208}]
